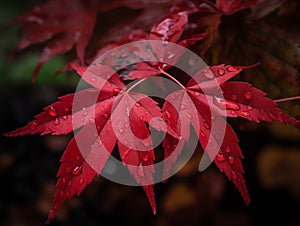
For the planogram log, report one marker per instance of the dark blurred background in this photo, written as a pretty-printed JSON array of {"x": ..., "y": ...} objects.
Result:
[{"x": 28, "y": 165}]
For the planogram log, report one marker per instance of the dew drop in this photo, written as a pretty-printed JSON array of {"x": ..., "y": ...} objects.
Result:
[
  {"x": 146, "y": 158},
  {"x": 182, "y": 107},
  {"x": 69, "y": 183},
  {"x": 85, "y": 113},
  {"x": 221, "y": 72},
  {"x": 231, "y": 69},
  {"x": 208, "y": 74},
  {"x": 121, "y": 130},
  {"x": 230, "y": 160},
  {"x": 225, "y": 104},
  {"x": 137, "y": 104},
  {"x": 220, "y": 157},
  {"x": 116, "y": 91},
  {"x": 248, "y": 95},
  {"x": 80, "y": 181},
  {"x": 249, "y": 107},
  {"x": 168, "y": 114},
  {"x": 245, "y": 113},
  {"x": 56, "y": 121},
  {"x": 68, "y": 195},
  {"x": 93, "y": 79},
  {"x": 188, "y": 115},
  {"x": 171, "y": 55},
  {"x": 227, "y": 150},
  {"x": 232, "y": 112},
  {"x": 197, "y": 93},
  {"x": 142, "y": 118},
  {"x": 64, "y": 180},
  {"x": 67, "y": 109},
  {"x": 202, "y": 134},
  {"x": 140, "y": 171},
  {"x": 126, "y": 125},
  {"x": 65, "y": 117},
  {"x": 52, "y": 111},
  {"x": 233, "y": 97},
  {"x": 77, "y": 170},
  {"x": 125, "y": 142},
  {"x": 92, "y": 120},
  {"x": 206, "y": 126},
  {"x": 147, "y": 142},
  {"x": 77, "y": 157},
  {"x": 105, "y": 115}
]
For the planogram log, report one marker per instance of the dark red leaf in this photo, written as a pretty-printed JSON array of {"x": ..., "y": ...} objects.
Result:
[
  {"x": 65, "y": 23},
  {"x": 232, "y": 6}
]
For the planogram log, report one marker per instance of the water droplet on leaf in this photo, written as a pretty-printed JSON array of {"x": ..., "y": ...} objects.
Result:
[
  {"x": 121, "y": 130},
  {"x": 248, "y": 95},
  {"x": 249, "y": 107},
  {"x": 245, "y": 113},
  {"x": 116, "y": 91},
  {"x": 208, "y": 74},
  {"x": 227, "y": 149},
  {"x": 168, "y": 114},
  {"x": 146, "y": 158},
  {"x": 202, "y": 134},
  {"x": 231, "y": 69},
  {"x": 52, "y": 111},
  {"x": 221, "y": 72},
  {"x": 230, "y": 160},
  {"x": 220, "y": 157},
  {"x": 140, "y": 171},
  {"x": 225, "y": 104},
  {"x": 77, "y": 170},
  {"x": 56, "y": 121}
]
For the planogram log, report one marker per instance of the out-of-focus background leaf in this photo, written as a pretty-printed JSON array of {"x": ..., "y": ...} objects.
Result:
[{"x": 267, "y": 35}]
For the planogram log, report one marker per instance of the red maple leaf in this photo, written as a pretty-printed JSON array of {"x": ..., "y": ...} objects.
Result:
[
  {"x": 65, "y": 23},
  {"x": 110, "y": 114},
  {"x": 135, "y": 111}
]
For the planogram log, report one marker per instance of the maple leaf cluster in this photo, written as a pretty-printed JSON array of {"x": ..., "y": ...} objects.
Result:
[{"x": 189, "y": 24}]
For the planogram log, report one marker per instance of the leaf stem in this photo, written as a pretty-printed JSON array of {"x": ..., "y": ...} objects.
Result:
[
  {"x": 171, "y": 77},
  {"x": 287, "y": 99},
  {"x": 135, "y": 85}
]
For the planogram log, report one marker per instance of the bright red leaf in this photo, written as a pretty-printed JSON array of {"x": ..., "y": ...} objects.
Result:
[{"x": 118, "y": 116}]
